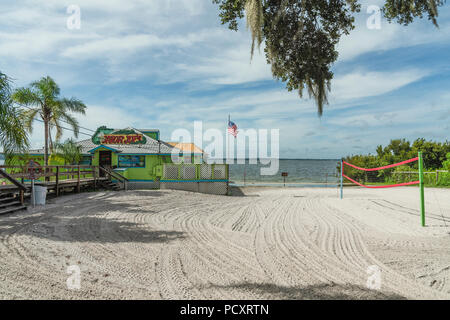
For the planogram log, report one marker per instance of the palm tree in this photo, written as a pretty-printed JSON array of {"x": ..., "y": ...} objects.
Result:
[
  {"x": 69, "y": 151},
  {"x": 42, "y": 100},
  {"x": 13, "y": 136}
]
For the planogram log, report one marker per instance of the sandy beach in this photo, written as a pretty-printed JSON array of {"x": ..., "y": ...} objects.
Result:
[{"x": 260, "y": 243}]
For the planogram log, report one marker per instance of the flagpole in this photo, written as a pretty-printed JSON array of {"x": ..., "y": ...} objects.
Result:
[{"x": 228, "y": 138}]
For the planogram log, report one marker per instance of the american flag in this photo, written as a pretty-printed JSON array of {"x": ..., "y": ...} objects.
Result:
[{"x": 232, "y": 128}]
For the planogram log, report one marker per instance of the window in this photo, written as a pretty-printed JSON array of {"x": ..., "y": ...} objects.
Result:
[
  {"x": 131, "y": 161},
  {"x": 187, "y": 158},
  {"x": 86, "y": 161}
]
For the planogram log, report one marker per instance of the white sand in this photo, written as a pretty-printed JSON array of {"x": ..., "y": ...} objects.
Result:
[{"x": 271, "y": 243}]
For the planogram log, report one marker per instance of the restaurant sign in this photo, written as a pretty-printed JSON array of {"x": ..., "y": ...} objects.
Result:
[
  {"x": 105, "y": 135},
  {"x": 122, "y": 138}
]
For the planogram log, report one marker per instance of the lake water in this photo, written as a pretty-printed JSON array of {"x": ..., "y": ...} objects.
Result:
[{"x": 300, "y": 172}]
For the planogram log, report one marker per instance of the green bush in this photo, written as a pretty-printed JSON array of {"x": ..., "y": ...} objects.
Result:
[
  {"x": 446, "y": 164},
  {"x": 444, "y": 179}
]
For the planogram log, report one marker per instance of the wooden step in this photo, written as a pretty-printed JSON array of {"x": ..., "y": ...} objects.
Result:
[
  {"x": 3, "y": 200},
  {"x": 110, "y": 185},
  {"x": 12, "y": 209},
  {"x": 2, "y": 205}
]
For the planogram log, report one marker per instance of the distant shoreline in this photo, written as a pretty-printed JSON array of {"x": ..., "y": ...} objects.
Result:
[{"x": 239, "y": 184}]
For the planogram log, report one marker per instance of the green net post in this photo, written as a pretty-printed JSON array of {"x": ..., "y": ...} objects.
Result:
[
  {"x": 422, "y": 191},
  {"x": 342, "y": 179}
]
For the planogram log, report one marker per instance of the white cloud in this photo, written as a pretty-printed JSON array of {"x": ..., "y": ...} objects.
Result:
[
  {"x": 123, "y": 46},
  {"x": 365, "y": 84},
  {"x": 231, "y": 66},
  {"x": 391, "y": 35},
  {"x": 113, "y": 116}
]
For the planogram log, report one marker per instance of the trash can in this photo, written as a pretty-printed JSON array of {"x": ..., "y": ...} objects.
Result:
[{"x": 40, "y": 193}]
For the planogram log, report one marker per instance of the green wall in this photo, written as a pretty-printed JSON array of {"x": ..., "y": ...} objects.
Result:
[{"x": 138, "y": 174}]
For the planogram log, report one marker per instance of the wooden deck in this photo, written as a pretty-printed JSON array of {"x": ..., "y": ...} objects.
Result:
[
  {"x": 56, "y": 178},
  {"x": 51, "y": 185}
]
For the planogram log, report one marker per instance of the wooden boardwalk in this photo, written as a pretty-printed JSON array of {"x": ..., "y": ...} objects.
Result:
[
  {"x": 52, "y": 186},
  {"x": 57, "y": 178}
]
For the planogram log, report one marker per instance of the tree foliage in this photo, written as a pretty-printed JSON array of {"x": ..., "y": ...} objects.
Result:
[
  {"x": 405, "y": 11},
  {"x": 434, "y": 153},
  {"x": 301, "y": 35},
  {"x": 446, "y": 163},
  {"x": 42, "y": 100},
  {"x": 13, "y": 138},
  {"x": 69, "y": 151}
]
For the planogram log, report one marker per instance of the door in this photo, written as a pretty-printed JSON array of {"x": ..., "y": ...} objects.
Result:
[{"x": 104, "y": 161}]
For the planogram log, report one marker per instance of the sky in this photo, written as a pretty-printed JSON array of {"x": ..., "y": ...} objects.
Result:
[{"x": 167, "y": 63}]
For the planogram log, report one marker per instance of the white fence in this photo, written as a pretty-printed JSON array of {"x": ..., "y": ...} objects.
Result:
[
  {"x": 203, "y": 178},
  {"x": 195, "y": 172}
]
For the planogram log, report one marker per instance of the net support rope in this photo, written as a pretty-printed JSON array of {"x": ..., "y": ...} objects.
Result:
[{"x": 381, "y": 168}]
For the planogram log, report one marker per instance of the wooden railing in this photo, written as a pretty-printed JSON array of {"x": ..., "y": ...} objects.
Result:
[
  {"x": 77, "y": 171},
  {"x": 49, "y": 171},
  {"x": 19, "y": 185},
  {"x": 111, "y": 174},
  {"x": 53, "y": 174},
  {"x": 58, "y": 176}
]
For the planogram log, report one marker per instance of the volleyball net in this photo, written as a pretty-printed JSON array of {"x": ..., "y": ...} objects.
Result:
[
  {"x": 387, "y": 176},
  {"x": 373, "y": 178}
]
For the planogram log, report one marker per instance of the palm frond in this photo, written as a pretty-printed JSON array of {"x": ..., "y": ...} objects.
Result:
[
  {"x": 69, "y": 151},
  {"x": 27, "y": 96},
  {"x": 74, "y": 105},
  {"x": 47, "y": 88},
  {"x": 13, "y": 137},
  {"x": 59, "y": 130},
  {"x": 28, "y": 116},
  {"x": 72, "y": 122}
]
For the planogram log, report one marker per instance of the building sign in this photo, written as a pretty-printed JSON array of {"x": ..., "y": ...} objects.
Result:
[
  {"x": 105, "y": 135},
  {"x": 122, "y": 138}
]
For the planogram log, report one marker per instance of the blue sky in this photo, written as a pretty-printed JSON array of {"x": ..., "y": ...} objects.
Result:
[{"x": 166, "y": 63}]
